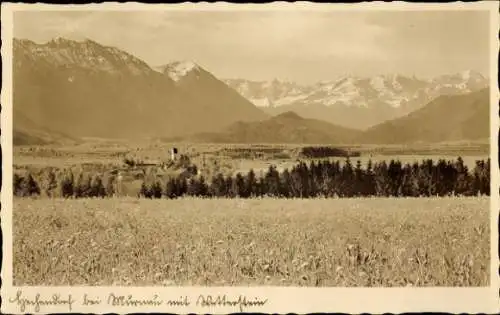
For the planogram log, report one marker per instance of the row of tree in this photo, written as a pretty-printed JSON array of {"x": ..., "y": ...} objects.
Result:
[
  {"x": 316, "y": 179},
  {"x": 63, "y": 184},
  {"x": 331, "y": 179},
  {"x": 324, "y": 152}
]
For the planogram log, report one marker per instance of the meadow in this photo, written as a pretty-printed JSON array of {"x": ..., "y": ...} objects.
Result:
[
  {"x": 112, "y": 152},
  {"x": 291, "y": 242}
]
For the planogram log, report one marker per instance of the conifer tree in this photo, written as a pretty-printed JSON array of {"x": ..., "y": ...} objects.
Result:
[
  {"x": 272, "y": 182},
  {"x": 17, "y": 180},
  {"x": 170, "y": 188},
  {"x": 487, "y": 178},
  {"x": 395, "y": 176},
  {"x": 66, "y": 185},
  {"x": 286, "y": 184},
  {"x": 426, "y": 178},
  {"x": 181, "y": 186},
  {"x": 234, "y": 190},
  {"x": 347, "y": 188},
  {"x": 381, "y": 177},
  {"x": 369, "y": 181},
  {"x": 196, "y": 187},
  {"x": 251, "y": 183},
  {"x": 481, "y": 182},
  {"x": 145, "y": 190},
  {"x": 218, "y": 186},
  {"x": 359, "y": 181},
  {"x": 202, "y": 188},
  {"x": 406, "y": 188},
  {"x": 156, "y": 189},
  {"x": 29, "y": 187},
  {"x": 110, "y": 186},
  {"x": 86, "y": 185},
  {"x": 462, "y": 183},
  {"x": 50, "y": 185},
  {"x": 239, "y": 183},
  {"x": 228, "y": 187},
  {"x": 297, "y": 189},
  {"x": 97, "y": 188},
  {"x": 78, "y": 185}
]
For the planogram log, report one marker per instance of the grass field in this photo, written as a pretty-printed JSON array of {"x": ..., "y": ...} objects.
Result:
[{"x": 335, "y": 242}]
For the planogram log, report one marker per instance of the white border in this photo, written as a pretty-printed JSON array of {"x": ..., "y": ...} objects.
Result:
[{"x": 280, "y": 300}]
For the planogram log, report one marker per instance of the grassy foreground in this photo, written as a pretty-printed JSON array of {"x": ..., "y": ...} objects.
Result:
[{"x": 342, "y": 242}]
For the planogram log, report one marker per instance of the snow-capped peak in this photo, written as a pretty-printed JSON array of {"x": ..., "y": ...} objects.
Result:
[
  {"x": 465, "y": 74},
  {"x": 471, "y": 75},
  {"x": 179, "y": 69}
]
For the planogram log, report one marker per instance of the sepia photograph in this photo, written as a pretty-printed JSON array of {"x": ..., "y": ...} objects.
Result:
[{"x": 225, "y": 146}]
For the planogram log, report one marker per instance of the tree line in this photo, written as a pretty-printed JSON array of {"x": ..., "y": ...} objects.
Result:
[
  {"x": 324, "y": 152},
  {"x": 304, "y": 180},
  {"x": 63, "y": 184},
  {"x": 331, "y": 179}
]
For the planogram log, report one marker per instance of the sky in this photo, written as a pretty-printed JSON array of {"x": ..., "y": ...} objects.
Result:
[{"x": 299, "y": 45}]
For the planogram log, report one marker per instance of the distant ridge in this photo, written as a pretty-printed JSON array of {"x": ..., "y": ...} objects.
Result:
[{"x": 287, "y": 127}]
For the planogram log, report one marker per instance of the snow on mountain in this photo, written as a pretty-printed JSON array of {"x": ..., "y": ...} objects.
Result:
[
  {"x": 390, "y": 90},
  {"x": 262, "y": 102},
  {"x": 378, "y": 83},
  {"x": 463, "y": 82},
  {"x": 179, "y": 69},
  {"x": 270, "y": 93},
  {"x": 356, "y": 102}
]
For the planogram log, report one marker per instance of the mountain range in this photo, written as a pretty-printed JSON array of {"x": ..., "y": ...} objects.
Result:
[
  {"x": 356, "y": 102},
  {"x": 448, "y": 118},
  {"x": 87, "y": 89},
  {"x": 66, "y": 89}
]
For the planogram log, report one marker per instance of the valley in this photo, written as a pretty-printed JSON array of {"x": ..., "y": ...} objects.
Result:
[{"x": 355, "y": 171}]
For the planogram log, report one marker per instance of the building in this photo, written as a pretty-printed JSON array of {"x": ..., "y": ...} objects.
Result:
[{"x": 173, "y": 154}]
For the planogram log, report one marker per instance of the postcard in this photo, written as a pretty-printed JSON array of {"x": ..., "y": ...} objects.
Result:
[{"x": 270, "y": 158}]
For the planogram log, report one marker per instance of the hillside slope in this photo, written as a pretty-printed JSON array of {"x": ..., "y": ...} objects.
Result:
[
  {"x": 447, "y": 118},
  {"x": 26, "y": 132}
]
